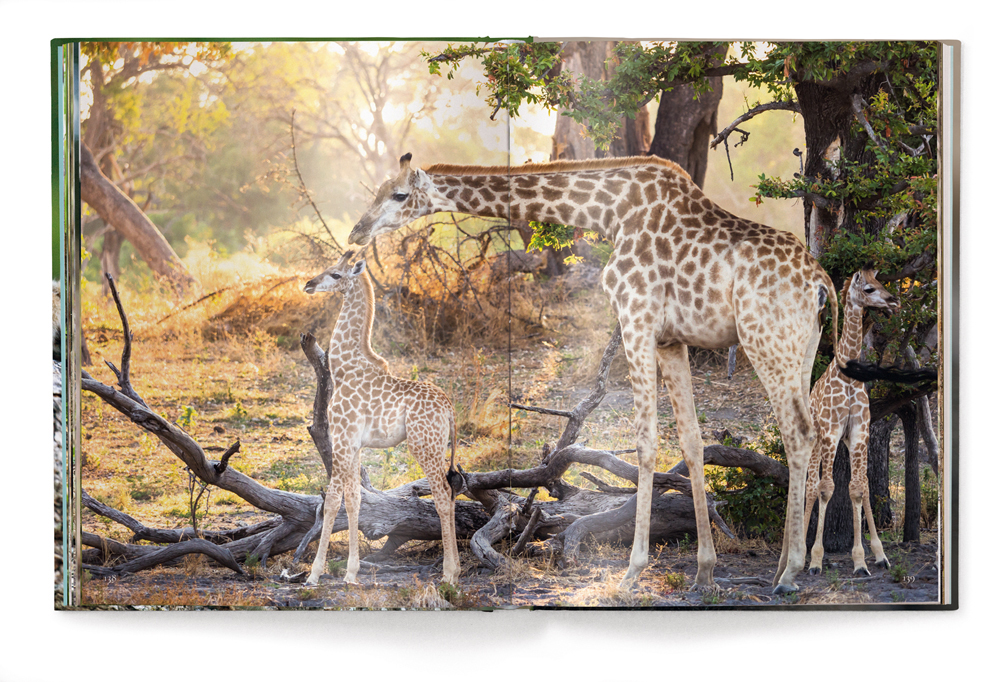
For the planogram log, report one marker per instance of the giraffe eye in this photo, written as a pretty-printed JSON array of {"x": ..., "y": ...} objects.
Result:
[
  {"x": 399, "y": 196},
  {"x": 335, "y": 276},
  {"x": 869, "y": 290}
]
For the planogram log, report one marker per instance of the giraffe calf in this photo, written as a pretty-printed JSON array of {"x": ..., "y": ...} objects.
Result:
[
  {"x": 371, "y": 408},
  {"x": 839, "y": 406}
]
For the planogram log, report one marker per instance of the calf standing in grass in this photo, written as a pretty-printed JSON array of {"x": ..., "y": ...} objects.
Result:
[{"x": 371, "y": 408}]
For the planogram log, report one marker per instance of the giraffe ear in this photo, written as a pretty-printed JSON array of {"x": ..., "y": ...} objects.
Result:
[{"x": 358, "y": 268}]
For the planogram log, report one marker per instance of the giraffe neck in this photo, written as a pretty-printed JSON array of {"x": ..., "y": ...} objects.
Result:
[
  {"x": 350, "y": 342},
  {"x": 589, "y": 198},
  {"x": 851, "y": 337}
]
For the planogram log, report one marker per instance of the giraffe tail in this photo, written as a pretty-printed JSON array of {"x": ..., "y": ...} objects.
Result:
[
  {"x": 827, "y": 292},
  {"x": 455, "y": 479}
]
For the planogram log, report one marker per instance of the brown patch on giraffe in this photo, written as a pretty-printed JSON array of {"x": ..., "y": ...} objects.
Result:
[
  {"x": 663, "y": 250},
  {"x": 699, "y": 283},
  {"x": 624, "y": 264},
  {"x": 565, "y": 212},
  {"x": 614, "y": 186},
  {"x": 644, "y": 249},
  {"x": 638, "y": 283},
  {"x": 551, "y": 193}
]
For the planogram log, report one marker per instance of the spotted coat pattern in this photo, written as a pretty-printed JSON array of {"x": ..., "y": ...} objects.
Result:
[
  {"x": 371, "y": 408},
  {"x": 683, "y": 272},
  {"x": 839, "y": 407}
]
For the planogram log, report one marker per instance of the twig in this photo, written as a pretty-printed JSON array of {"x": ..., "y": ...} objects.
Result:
[
  {"x": 304, "y": 191},
  {"x": 528, "y": 533},
  {"x": 123, "y": 376},
  {"x": 604, "y": 487},
  {"x": 759, "y": 109}
]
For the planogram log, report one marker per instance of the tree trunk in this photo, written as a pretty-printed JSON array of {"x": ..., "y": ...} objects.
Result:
[
  {"x": 911, "y": 476},
  {"x": 685, "y": 124},
  {"x": 570, "y": 141},
  {"x": 125, "y": 217},
  {"x": 879, "y": 436}
]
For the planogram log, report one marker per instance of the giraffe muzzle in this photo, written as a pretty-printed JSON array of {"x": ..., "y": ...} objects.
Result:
[{"x": 360, "y": 235}]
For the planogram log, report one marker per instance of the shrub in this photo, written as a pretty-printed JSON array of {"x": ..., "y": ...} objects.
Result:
[{"x": 755, "y": 505}]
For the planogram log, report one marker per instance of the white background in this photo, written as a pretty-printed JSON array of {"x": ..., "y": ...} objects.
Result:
[{"x": 40, "y": 644}]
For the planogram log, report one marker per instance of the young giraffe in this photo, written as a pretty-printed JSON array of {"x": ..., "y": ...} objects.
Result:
[
  {"x": 839, "y": 407},
  {"x": 683, "y": 272},
  {"x": 371, "y": 408}
]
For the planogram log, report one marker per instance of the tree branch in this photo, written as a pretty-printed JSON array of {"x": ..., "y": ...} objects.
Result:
[{"x": 759, "y": 109}]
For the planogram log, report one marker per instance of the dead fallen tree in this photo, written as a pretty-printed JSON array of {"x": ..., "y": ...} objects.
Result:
[{"x": 493, "y": 513}]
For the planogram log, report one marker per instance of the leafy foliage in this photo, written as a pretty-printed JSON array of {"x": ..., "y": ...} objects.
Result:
[{"x": 755, "y": 505}]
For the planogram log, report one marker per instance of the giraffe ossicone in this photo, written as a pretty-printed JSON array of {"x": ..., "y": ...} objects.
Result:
[
  {"x": 371, "y": 408},
  {"x": 840, "y": 411},
  {"x": 683, "y": 272}
]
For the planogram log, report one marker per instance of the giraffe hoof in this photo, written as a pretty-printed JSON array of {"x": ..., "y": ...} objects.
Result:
[
  {"x": 883, "y": 564},
  {"x": 862, "y": 570},
  {"x": 815, "y": 570},
  {"x": 780, "y": 589}
]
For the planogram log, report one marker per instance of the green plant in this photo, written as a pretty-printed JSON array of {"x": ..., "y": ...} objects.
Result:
[
  {"x": 755, "y": 505},
  {"x": 711, "y": 597},
  {"x": 674, "y": 581},
  {"x": 239, "y": 413},
  {"x": 187, "y": 418}
]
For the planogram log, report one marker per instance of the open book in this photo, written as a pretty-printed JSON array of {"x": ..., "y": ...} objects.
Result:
[{"x": 528, "y": 323}]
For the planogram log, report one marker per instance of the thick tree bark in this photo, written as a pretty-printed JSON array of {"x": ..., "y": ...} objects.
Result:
[
  {"x": 911, "y": 474},
  {"x": 570, "y": 141},
  {"x": 120, "y": 212},
  {"x": 685, "y": 123}
]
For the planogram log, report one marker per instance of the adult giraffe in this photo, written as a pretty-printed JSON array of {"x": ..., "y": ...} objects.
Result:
[{"x": 683, "y": 273}]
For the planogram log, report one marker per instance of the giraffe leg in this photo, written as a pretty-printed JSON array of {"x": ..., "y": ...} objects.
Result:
[
  {"x": 824, "y": 451},
  {"x": 858, "y": 442},
  {"x": 881, "y": 560},
  {"x": 446, "y": 513},
  {"x": 676, "y": 371},
  {"x": 642, "y": 369},
  {"x": 330, "y": 509},
  {"x": 352, "y": 501},
  {"x": 812, "y": 492}
]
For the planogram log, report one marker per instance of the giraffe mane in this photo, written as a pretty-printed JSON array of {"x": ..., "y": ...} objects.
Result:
[
  {"x": 366, "y": 328},
  {"x": 555, "y": 166}
]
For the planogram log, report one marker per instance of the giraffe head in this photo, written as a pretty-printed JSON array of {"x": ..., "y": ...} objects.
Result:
[
  {"x": 398, "y": 202},
  {"x": 337, "y": 277},
  {"x": 866, "y": 291}
]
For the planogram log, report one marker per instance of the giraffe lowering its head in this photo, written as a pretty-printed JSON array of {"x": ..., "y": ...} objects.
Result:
[
  {"x": 371, "y": 408},
  {"x": 683, "y": 272},
  {"x": 839, "y": 407}
]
